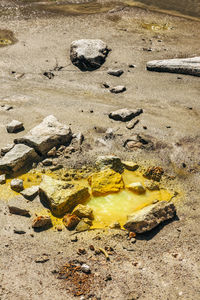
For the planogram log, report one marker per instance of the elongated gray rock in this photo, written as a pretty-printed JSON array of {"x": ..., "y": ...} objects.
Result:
[
  {"x": 46, "y": 135},
  {"x": 125, "y": 114},
  {"x": 188, "y": 66},
  {"x": 17, "y": 158},
  {"x": 150, "y": 216},
  {"x": 88, "y": 54}
]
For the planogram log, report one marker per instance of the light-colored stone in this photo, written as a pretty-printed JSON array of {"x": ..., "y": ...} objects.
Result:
[
  {"x": 117, "y": 72},
  {"x": 85, "y": 268},
  {"x": 136, "y": 187},
  {"x": 46, "y": 135},
  {"x": 52, "y": 152},
  {"x": 109, "y": 161},
  {"x": 131, "y": 124},
  {"x": 84, "y": 225},
  {"x": 125, "y": 114},
  {"x": 118, "y": 89},
  {"x": 14, "y": 126},
  {"x": 61, "y": 196},
  {"x": 189, "y": 66},
  {"x": 151, "y": 185},
  {"x": 105, "y": 181},
  {"x": 130, "y": 165},
  {"x": 83, "y": 211},
  {"x": 150, "y": 216},
  {"x": 2, "y": 179},
  {"x": 42, "y": 222},
  {"x": 88, "y": 54},
  {"x": 17, "y": 158},
  {"x": 30, "y": 193},
  {"x": 6, "y": 149},
  {"x": 17, "y": 185}
]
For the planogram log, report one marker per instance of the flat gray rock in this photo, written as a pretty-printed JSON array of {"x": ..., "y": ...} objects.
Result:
[
  {"x": 46, "y": 135},
  {"x": 150, "y": 216},
  {"x": 88, "y": 54},
  {"x": 30, "y": 193},
  {"x": 188, "y": 66},
  {"x": 117, "y": 72},
  {"x": 118, "y": 89},
  {"x": 125, "y": 114},
  {"x": 14, "y": 126},
  {"x": 17, "y": 158},
  {"x": 109, "y": 161}
]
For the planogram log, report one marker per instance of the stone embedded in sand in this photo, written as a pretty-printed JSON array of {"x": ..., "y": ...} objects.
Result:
[
  {"x": 41, "y": 222},
  {"x": 17, "y": 208},
  {"x": 61, "y": 196},
  {"x": 130, "y": 165},
  {"x": 118, "y": 89},
  {"x": 105, "y": 181},
  {"x": 17, "y": 158},
  {"x": 109, "y": 161},
  {"x": 17, "y": 185},
  {"x": 30, "y": 193},
  {"x": 125, "y": 114},
  {"x": 154, "y": 173},
  {"x": 46, "y": 135},
  {"x": 150, "y": 216},
  {"x": 152, "y": 186},
  {"x": 189, "y": 66},
  {"x": 2, "y": 179},
  {"x": 84, "y": 225},
  {"x": 71, "y": 221},
  {"x": 117, "y": 72},
  {"x": 136, "y": 187},
  {"x": 83, "y": 211},
  {"x": 88, "y": 54},
  {"x": 14, "y": 126}
]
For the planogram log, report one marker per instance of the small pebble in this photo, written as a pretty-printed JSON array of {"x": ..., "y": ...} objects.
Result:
[{"x": 85, "y": 269}]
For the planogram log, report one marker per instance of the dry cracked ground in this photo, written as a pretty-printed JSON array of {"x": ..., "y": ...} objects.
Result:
[{"x": 162, "y": 264}]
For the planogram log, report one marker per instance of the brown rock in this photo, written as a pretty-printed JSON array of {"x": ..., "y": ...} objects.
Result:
[
  {"x": 41, "y": 222},
  {"x": 70, "y": 221}
]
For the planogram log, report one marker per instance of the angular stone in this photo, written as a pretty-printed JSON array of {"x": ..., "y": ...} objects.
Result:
[
  {"x": 109, "y": 161},
  {"x": 125, "y": 114},
  {"x": 17, "y": 185},
  {"x": 130, "y": 165},
  {"x": 71, "y": 221},
  {"x": 116, "y": 73},
  {"x": 17, "y": 158},
  {"x": 61, "y": 196},
  {"x": 46, "y": 135},
  {"x": 84, "y": 225},
  {"x": 18, "y": 207},
  {"x": 30, "y": 193},
  {"x": 83, "y": 211},
  {"x": 188, "y": 66},
  {"x": 152, "y": 186},
  {"x": 6, "y": 149},
  {"x": 88, "y": 54},
  {"x": 42, "y": 222},
  {"x": 136, "y": 187},
  {"x": 2, "y": 179},
  {"x": 154, "y": 173},
  {"x": 14, "y": 126},
  {"x": 105, "y": 181},
  {"x": 118, "y": 89},
  {"x": 150, "y": 216}
]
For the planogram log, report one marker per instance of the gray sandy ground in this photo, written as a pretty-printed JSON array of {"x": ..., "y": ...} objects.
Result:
[{"x": 163, "y": 264}]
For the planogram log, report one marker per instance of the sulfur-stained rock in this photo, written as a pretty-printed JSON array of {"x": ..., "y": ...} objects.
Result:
[
  {"x": 150, "y": 216},
  {"x": 46, "y": 135},
  {"x": 130, "y": 165},
  {"x": 83, "y": 211},
  {"x": 30, "y": 193},
  {"x": 70, "y": 221},
  {"x": 84, "y": 225},
  {"x": 17, "y": 185},
  {"x": 41, "y": 222},
  {"x": 136, "y": 187},
  {"x": 61, "y": 196},
  {"x": 109, "y": 161},
  {"x": 17, "y": 158},
  {"x": 105, "y": 181}
]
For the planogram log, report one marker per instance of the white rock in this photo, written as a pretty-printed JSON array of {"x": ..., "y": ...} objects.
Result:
[
  {"x": 125, "y": 114},
  {"x": 14, "y": 126},
  {"x": 88, "y": 54},
  {"x": 118, "y": 89},
  {"x": 6, "y": 149},
  {"x": 46, "y": 135},
  {"x": 85, "y": 268},
  {"x": 17, "y": 185},
  {"x": 116, "y": 73},
  {"x": 30, "y": 193},
  {"x": 190, "y": 66},
  {"x": 2, "y": 179},
  {"x": 17, "y": 158},
  {"x": 136, "y": 187}
]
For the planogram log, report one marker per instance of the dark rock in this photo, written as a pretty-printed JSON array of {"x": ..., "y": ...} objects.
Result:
[{"x": 125, "y": 114}]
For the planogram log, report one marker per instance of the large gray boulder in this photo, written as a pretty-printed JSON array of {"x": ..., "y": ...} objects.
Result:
[
  {"x": 88, "y": 54},
  {"x": 61, "y": 196},
  {"x": 109, "y": 161},
  {"x": 189, "y": 66},
  {"x": 46, "y": 135},
  {"x": 19, "y": 157},
  {"x": 150, "y": 216}
]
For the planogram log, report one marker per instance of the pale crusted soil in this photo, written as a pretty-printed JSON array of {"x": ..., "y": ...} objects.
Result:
[{"x": 163, "y": 264}]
